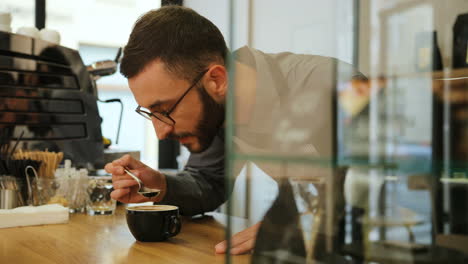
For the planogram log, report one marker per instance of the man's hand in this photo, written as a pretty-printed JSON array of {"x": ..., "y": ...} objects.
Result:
[
  {"x": 125, "y": 187},
  {"x": 241, "y": 243}
]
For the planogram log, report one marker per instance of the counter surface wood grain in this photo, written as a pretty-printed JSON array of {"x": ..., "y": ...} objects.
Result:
[{"x": 106, "y": 239}]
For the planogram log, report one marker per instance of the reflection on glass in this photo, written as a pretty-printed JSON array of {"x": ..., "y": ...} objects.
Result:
[
  {"x": 307, "y": 202},
  {"x": 388, "y": 129}
]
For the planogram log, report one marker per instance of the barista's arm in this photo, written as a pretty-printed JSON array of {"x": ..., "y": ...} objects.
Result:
[
  {"x": 200, "y": 187},
  {"x": 195, "y": 190}
]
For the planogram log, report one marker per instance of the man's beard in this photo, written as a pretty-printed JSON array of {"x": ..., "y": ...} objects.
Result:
[{"x": 212, "y": 118}]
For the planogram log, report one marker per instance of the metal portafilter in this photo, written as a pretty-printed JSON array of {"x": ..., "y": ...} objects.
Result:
[{"x": 103, "y": 68}]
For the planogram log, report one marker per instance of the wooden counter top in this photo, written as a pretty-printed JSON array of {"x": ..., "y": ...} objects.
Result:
[{"x": 106, "y": 239}]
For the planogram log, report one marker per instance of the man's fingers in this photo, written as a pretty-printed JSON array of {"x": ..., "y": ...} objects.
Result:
[
  {"x": 240, "y": 241},
  {"x": 236, "y": 240},
  {"x": 243, "y": 248},
  {"x": 118, "y": 172},
  {"x": 114, "y": 169},
  {"x": 241, "y": 237},
  {"x": 119, "y": 194},
  {"x": 121, "y": 184},
  {"x": 129, "y": 162},
  {"x": 109, "y": 168},
  {"x": 220, "y": 248},
  {"x": 117, "y": 167},
  {"x": 244, "y": 235},
  {"x": 121, "y": 177}
]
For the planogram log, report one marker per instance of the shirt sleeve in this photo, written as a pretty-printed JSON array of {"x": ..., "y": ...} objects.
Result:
[{"x": 200, "y": 187}]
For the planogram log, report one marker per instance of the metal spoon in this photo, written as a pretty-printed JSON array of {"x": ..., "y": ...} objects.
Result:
[{"x": 142, "y": 190}]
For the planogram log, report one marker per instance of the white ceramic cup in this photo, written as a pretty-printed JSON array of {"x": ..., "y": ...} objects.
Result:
[
  {"x": 28, "y": 31},
  {"x": 5, "y": 18},
  {"x": 5, "y": 21},
  {"x": 50, "y": 35},
  {"x": 5, "y": 28}
]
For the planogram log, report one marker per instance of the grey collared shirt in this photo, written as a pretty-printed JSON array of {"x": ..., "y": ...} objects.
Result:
[
  {"x": 292, "y": 113},
  {"x": 200, "y": 187}
]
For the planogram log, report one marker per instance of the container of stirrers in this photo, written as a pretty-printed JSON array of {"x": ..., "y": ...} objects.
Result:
[
  {"x": 10, "y": 196},
  {"x": 49, "y": 161},
  {"x": 9, "y": 199},
  {"x": 77, "y": 195},
  {"x": 68, "y": 188},
  {"x": 17, "y": 168},
  {"x": 45, "y": 189},
  {"x": 69, "y": 192},
  {"x": 41, "y": 177}
]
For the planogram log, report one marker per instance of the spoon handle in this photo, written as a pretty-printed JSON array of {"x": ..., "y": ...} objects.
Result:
[{"x": 134, "y": 177}]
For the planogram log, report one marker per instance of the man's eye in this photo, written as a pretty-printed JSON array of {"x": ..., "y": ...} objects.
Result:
[
  {"x": 156, "y": 109},
  {"x": 161, "y": 108},
  {"x": 159, "y": 111}
]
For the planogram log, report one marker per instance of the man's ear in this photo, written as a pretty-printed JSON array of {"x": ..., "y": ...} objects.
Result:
[{"x": 216, "y": 82}]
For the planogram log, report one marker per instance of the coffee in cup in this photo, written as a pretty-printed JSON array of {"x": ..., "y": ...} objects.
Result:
[{"x": 152, "y": 223}]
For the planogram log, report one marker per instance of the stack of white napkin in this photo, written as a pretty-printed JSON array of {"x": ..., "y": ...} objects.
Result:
[{"x": 34, "y": 215}]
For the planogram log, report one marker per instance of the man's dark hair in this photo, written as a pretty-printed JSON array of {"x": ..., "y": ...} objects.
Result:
[{"x": 183, "y": 40}]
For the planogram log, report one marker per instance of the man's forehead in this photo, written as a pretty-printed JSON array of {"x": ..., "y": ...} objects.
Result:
[{"x": 154, "y": 85}]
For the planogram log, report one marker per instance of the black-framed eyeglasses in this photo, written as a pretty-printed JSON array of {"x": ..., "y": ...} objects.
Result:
[{"x": 165, "y": 116}]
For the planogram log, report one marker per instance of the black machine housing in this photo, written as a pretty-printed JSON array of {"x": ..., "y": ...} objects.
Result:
[{"x": 48, "y": 96}]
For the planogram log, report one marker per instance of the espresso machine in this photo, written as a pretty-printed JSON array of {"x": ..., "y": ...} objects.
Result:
[{"x": 48, "y": 99}]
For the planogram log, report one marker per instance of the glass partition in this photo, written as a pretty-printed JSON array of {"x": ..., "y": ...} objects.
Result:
[{"x": 358, "y": 112}]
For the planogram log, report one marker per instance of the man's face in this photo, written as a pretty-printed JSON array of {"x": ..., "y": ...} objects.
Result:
[{"x": 198, "y": 116}]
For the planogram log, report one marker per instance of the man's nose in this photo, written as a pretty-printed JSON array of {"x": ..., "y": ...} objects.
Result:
[{"x": 162, "y": 129}]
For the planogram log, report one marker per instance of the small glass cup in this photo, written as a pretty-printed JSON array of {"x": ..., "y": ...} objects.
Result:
[
  {"x": 99, "y": 190},
  {"x": 44, "y": 190}
]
